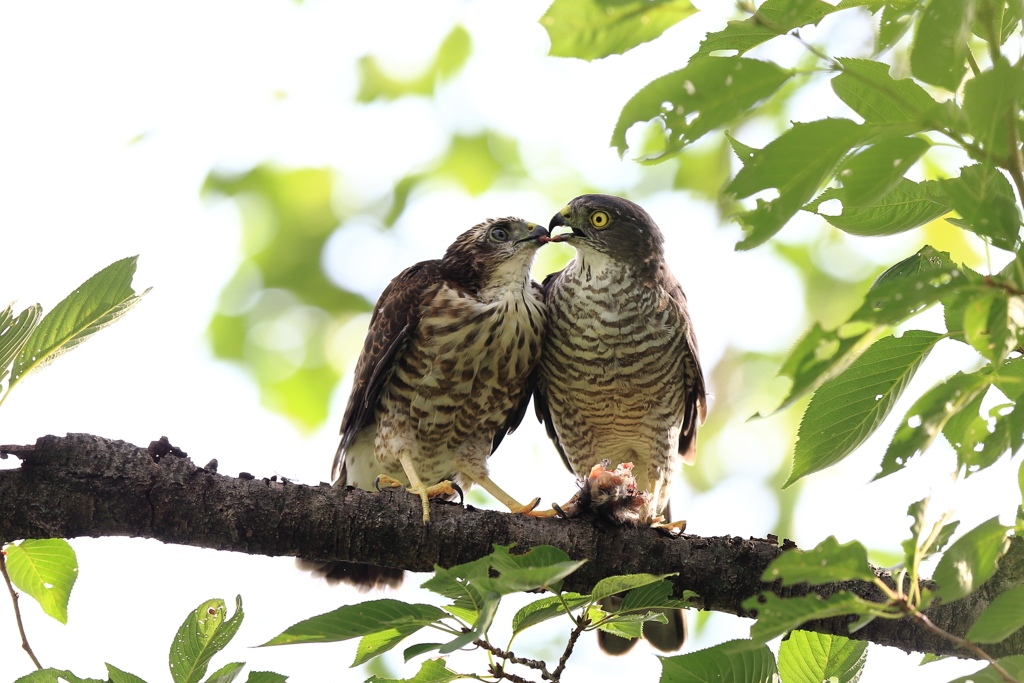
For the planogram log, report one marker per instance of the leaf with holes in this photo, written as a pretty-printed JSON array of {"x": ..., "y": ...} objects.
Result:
[
  {"x": 906, "y": 206},
  {"x": 927, "y": 417},
  {"x": 704, "y": 95},
  {"x": 872, "y": 173},
  {"x": 46, "y": 569},
  {"x": 797, "y": 164},
  {"x": 204, "y": 633}
]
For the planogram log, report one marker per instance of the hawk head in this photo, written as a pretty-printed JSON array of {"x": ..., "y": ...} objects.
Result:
[
  {"x": 613, "y": 226},
  {"x": 493, "y": 253}
]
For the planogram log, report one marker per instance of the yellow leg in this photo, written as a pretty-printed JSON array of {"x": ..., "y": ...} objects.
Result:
[
  {"x": 416, "y": 486},
  {"x": 510, "y": 502}
]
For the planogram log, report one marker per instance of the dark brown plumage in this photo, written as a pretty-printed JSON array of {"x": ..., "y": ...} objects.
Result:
[
  {"x": 620, "y": 378},
  {"x": 443, "y": 374}
]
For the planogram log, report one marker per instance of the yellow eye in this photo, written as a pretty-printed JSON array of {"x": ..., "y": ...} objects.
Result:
[{"x": 599, "y": 219}]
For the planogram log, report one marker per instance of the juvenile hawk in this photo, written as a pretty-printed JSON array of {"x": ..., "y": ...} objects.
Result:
[
  {"x": 619, "y": 379},
  {"x": 443, "y": 375}
]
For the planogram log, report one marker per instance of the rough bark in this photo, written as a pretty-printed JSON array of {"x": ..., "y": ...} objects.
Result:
[{"x": 84, "y": 485}]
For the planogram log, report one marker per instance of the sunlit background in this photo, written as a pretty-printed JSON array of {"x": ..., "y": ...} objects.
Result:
[{"x": 274, "y": 164}]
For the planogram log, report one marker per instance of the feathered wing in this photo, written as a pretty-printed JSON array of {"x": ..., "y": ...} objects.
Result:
[
  {"x": 540, "y": 401},
  {"x": 695, "y": 409},
  {"x": 394, "y": 319}
]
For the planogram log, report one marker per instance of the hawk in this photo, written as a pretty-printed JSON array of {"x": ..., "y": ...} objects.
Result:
[
  {"x": 443, "y": 376},
  {"x": 619, "y": 379}
]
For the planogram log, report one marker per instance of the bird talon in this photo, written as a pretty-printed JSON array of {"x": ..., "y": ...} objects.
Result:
[
  {"x": 458, "y": 489},
  {"x": 386, "y": 481},
  {"x": 558, "y": 509}
]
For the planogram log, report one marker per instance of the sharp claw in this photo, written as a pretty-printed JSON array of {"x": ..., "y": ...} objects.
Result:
[
  {"x": 376, "y": 483},
  {"x": 462, "y": 496},
  {"x": 560, "y": 511}
]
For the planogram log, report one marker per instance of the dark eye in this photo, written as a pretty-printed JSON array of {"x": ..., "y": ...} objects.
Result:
[
  {"x": 499, "y": 235},
  {"x": 599, "y": 219}
]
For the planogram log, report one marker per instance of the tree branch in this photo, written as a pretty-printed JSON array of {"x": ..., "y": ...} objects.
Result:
[{"x": 84, "y": 485}]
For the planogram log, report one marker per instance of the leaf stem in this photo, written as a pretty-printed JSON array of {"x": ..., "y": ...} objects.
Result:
[
  {"x": 922, "y": 618},
  {"x": 17, "y": 611},
  {"x": 573, "y": 637},
  {"x": 511, "y": 657}
]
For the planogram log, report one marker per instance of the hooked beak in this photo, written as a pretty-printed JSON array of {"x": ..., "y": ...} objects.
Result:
[
  {"x": 560, "y": 220},
  {"x": 540, "y": 234}
]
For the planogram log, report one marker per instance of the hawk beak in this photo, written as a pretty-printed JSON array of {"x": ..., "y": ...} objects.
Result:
[
  {"x": 560, "y": 220},
  {"x": 540, "y": 234}
]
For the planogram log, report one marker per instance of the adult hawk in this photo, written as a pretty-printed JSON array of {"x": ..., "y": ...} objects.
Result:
[
  {"x": 619, "y": 379},
  {"x": 443, "y": 375}
]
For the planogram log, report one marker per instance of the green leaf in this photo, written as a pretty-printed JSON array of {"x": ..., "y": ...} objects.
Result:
[
  {"x": 118, "y": 676},
  {"x": 896, "y": 19},
  {"x": 55, "y": 676},
  {"x": 773, "y": 18},
  {"x": 544, "y": 609},
  {"x": 265, "y": 677},
  {"x": 991, "y": 101},
  {"x": 776, "y": 615},
  {"x": 480, "y": 626},
  {"x": 46, "y": 569},
  {"x": 418, "y": 649},
  {"x": 1001, "y": 618},
  {"x": 14, "y": 333},
  {"x": 939, "y": 53},
  {"x": 971, "y": 561},
  {"x": 654, "y": 595},
  {"x": 204, "y": 633},
  {"x": 872, "y": 173},
  {"x": 992, "y": 322},
  {"x": 1013, "y": 665},
  {"x": 97, "y": 303},
  {"x": 927, "y": 417},
  {"x": 913, "y": 551},
  {"x": 828, "y": 562},
  {"x": 848, "y": 408},
  {"x": 705, "y": 95},
  {"x": 541, "y": 567},
  {"x": 908, "y": 205},
  {"x": 592, "y": 29},
  {"x": 899, "y": 293},
  {"x": 808, "y": 657},
  {"x": 374, "y": 644},
  {"x": 985, "y": 201},
  {"x": 354, "y": 621},
  {"x": 628, "y": 629},
  {"x": 797, "y": 163},
  {"x": 226, "y": 673},
  {"x": 867, "y": 88},
  {"x": 734, "y": 661},
  {"x": 617, "y": 584},
  {"x": 432, "y": 671}
]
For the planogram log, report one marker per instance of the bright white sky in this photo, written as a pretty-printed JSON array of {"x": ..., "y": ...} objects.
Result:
[{"x": 198, "y": 81}]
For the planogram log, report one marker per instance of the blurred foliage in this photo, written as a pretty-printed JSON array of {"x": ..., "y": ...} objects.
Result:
[
  {"x": 276, "y": 313},
  {"x": 375, "y": 84}
]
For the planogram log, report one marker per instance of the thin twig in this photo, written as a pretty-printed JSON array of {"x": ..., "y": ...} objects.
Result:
[
  {"x": 510, "y": 656},
  {"x": 500, "y": 673},
  {"x": 573, "y": 637},
  {"x": 923, "y": 619},
  {"x": 17, "y": 612}
]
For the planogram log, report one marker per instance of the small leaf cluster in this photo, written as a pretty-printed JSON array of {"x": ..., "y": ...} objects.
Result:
[
  {"x": 30, "y": 341},
  {"x": 961, "y": 570},
  {"x": 475, "y": 590},
  {"x": 205, "y": 632}
]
